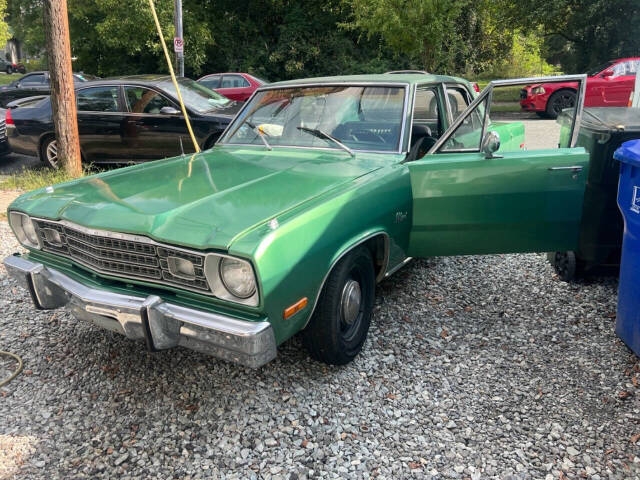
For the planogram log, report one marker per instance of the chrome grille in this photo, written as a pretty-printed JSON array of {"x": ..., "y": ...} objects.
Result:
[
  {"x": 3, "y": 129},
  {"x": 120, "y": 256}
]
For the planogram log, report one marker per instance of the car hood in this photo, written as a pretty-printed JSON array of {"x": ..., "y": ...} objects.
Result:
[{"x": 205, "y": 200}]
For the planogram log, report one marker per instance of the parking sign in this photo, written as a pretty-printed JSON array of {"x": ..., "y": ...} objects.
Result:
[{"x": 178, "y": 45}]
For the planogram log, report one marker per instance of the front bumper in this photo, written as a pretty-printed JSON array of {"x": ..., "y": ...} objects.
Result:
[{"x": 160, "y": 324}]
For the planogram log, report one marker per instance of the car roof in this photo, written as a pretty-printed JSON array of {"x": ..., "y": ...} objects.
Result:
[
  {"x": 149, "y": 79},
  {"x": 401, "y": 78}
]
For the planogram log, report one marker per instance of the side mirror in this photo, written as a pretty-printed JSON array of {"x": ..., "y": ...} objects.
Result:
[
  {"x": 491, "y": 144},
  {"x": 607, "y": 73},
  {"x": 169, "y": 111}
]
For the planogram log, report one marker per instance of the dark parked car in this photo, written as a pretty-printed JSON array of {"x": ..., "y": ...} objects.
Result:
[
  {"x": 124, "y": 120},
  {"x": 34, "y": 83},
  {"x": 10, "y": 67}
]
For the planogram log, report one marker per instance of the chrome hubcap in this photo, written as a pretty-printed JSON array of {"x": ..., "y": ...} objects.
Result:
[
  {"x": 52, "y": 153},
  {"x": 351, "y": 299}
]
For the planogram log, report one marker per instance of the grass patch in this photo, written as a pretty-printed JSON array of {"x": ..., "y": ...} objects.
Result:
[
  {"x": 510, "y": 107},
  {"x": 32, "y": 179},
  {"x": 8, "y": 78}
]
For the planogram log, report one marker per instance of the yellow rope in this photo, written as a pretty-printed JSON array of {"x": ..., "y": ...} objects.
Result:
[{"x": 173, "y": 76}]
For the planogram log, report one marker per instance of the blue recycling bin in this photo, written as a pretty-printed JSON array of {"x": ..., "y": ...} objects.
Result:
[{"x": 628, "y": 317}]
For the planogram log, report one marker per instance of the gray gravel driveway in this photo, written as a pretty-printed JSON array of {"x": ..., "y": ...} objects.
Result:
[{"x": 475, "y": 367}]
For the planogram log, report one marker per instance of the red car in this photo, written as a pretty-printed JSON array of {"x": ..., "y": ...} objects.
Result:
[
  {"x": 236, "y": 86},
  {"x": 609, "y": 85}
]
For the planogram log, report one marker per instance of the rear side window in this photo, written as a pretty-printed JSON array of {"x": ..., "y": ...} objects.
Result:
[
  {"x": 145, "y": 100},
  {"x": 37, "y": 79},
  {"x": 234, "y": 81},
  {"x": 98, "y": 99},
  {"x": 211, "y": 82}
]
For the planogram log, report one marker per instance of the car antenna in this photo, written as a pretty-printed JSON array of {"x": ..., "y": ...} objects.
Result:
[{"x": 181, "y": 147}]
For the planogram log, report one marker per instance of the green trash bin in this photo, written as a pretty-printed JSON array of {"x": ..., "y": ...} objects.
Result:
[{"x": 602, "y": 131}]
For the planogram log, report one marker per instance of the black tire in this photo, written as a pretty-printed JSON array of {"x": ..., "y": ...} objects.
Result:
[
  {"x": 44, "y": 156},
  {"x": 333, "y": 335},
  {"x": 560, "y": 100},
  {"x": 9, "y": 70},
  {"x": 566, "y": 265}
]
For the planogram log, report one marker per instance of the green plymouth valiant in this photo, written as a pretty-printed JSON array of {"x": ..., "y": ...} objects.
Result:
[{"x": 316, "y": 191}]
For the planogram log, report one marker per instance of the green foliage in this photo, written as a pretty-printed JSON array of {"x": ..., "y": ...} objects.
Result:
[
  {"x": 31, "y": 179},
  {"x": 523, "y": 59},
  {"x": 25, "y": 19},
  {"x": 580, "y": 34}
]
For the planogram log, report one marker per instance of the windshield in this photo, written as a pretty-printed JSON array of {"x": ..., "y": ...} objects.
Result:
[
  {"x": 195, "y": 96},
  {"x": 599, "y": 68},
  {"x": 360, "y": 117}
]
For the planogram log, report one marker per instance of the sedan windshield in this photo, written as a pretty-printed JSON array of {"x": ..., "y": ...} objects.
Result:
[
  {"x": 356, "y": 117},
  {"x": 195, "y": 96}
]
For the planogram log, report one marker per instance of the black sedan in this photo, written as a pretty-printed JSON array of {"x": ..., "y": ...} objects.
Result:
[
  {"x": 124, "y": 120},
  {"x": 34, "y": 83}
]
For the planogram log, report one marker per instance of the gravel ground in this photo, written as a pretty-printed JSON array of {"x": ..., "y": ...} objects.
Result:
[{"x": 475, "y": 367}]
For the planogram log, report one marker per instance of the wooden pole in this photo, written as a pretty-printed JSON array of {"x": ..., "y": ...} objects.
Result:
[{"x": 63, "y": 99}]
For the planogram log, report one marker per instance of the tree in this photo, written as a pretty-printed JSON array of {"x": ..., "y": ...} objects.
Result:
[{"x": 580, "y": 33}]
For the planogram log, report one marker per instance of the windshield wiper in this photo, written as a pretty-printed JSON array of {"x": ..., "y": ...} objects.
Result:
[
  {"x": 260, "y": 133},
  {"x": 320, "y": 134}
]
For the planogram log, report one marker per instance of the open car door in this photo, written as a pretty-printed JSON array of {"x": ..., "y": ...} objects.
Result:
[{"x": 476, "y": 194}]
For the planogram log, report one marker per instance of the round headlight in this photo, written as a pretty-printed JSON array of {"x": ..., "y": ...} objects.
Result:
[
  {"x": 24, "y": 229},
  {"x": 237, "y": 277}
]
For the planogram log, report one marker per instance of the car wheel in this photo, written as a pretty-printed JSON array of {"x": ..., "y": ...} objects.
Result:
[
  {"x": 559, "y": 101},
  {"x": 9, "y": 70},
  {"x": 49, "y": 152},
  {"x": 565, "y": 264},
  {"x": 339, "y": 325}
]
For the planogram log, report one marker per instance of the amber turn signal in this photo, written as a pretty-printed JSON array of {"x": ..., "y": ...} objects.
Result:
[{"x": 295, "y": 308}]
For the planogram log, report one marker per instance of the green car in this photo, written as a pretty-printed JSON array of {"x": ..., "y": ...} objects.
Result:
[{"x": 317, "y": 190}]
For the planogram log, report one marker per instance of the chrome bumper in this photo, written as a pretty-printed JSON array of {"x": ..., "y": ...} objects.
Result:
[{"x": 160, "y": 324}]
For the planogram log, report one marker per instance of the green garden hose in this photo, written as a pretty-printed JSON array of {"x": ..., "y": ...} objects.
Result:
[{"x": 18, "y": 370}]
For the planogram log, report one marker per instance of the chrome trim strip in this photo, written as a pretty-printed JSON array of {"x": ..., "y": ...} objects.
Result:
[
  {"x": 244, "y": 342},
  {"x": 333, "y": 264}
]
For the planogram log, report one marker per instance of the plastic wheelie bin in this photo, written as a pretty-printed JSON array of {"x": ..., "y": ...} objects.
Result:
[
  {"x": 628, "y": 317},
  {"x": 602, "y": 131}
]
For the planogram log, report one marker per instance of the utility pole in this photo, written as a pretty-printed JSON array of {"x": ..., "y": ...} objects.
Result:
[
  {"x": 177, "y": 17},
  {"x": 63, "y": 99}
]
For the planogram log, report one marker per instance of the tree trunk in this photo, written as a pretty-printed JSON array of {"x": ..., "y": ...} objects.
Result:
[{"x": 63, "y": 99}]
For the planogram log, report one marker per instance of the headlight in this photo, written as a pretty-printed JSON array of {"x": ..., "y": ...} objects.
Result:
[
  {"x": 538, "y": 91},
  {"x": 237, "y": 277},
  {"x": 24, "y": 229}
]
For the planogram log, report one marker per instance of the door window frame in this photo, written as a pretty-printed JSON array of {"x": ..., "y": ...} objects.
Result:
[
  {"x": 127, "y": 109},
  {"x": 487, "y": 94},
  {"x": 121, "y": 105}
]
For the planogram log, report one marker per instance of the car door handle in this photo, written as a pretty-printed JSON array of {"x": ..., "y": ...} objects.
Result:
[{"x": 573, "y": 168}]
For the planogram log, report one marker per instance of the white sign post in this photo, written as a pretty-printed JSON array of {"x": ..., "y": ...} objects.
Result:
[
  {"x": 178, "y": 45},
  {"x": 636, "y": 90}
]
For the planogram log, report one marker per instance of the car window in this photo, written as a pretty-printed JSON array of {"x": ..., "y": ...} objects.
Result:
[
  {"x": 458, "y": 100},
  {"x": 626, "y": 68},
  {"x": 426, "y": 111},
  {"x": 98, "y": 99},
  {"x": 468, "y": 135},
  {"x": 37, "y": 79},
  {"x": 362, "y": 118},
  {"x": 145, "y": 100},
  {"x": 234, "y": 81},
  {"x": 211, "y": 82}
]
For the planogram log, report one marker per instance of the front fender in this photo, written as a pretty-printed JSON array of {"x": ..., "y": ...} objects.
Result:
[{"x": 294, "y": 257}]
